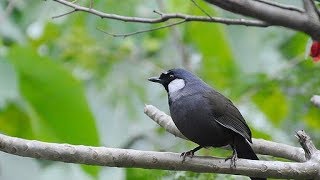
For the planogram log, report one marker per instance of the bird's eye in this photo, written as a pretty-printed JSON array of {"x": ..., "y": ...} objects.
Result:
[{"x": 171, "y": 76}]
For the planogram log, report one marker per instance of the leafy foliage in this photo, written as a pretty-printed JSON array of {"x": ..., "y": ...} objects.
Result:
[
  {"x": 15, "y": 122},
  {"x": 56, "y": 100},
  {"x": 266, "y": 100},
  {"x": 60, "y": 105}
]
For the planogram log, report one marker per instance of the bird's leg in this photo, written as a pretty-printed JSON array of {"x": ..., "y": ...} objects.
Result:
[
  {"x": 189, "y": 153},
  {"x": 233, "y": 158}
]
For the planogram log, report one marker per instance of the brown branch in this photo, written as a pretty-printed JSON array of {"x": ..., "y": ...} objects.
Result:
[{"x": 164, "y": 17}]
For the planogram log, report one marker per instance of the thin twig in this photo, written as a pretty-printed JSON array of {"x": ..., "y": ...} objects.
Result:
[
  {"x": 158, "y": 12},
  {"x": 142, "y": 31},
  {"x": 64, "y": 14},
  {"x": 201, "y": 9},
  {"x": 165, "y": 17}
]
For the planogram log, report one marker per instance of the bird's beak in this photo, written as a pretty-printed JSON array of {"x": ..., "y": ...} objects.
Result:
[{"x": 155, "y": 79}]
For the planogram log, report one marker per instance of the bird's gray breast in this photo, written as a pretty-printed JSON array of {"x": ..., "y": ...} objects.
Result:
[{"x": 192, "y": 115}]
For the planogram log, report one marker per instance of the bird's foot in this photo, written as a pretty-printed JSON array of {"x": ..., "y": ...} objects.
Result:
[
  {"x": 186, "y": 154},
  {"x": 233, "y": 160}
]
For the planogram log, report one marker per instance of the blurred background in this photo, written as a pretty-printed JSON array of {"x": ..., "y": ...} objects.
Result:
[{"x": 62, "y": 80}]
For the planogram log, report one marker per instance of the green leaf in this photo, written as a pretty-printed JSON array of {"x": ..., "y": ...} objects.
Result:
[
  {"x": 141, "y": 174},
  {"x": 56, "y": 99},
  {"x": 218, "y": 66},
  {"x": 312, "y": 118},
  {"x": 272, "y": 102},
  {"x": 260, "y": 134},
  {"x": 15, "y": 122},
  {"x": 294, "y": 46}
]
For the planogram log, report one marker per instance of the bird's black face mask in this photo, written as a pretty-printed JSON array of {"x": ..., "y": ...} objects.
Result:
[{"x": 164, "y": 79}]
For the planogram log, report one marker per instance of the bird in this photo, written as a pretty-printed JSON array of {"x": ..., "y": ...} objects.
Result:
[{"x": 205, "y": 116}]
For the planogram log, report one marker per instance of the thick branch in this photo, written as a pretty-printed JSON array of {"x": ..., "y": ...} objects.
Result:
[
  {"x": 163, "y": 17},
  {"x": 288, "y": 7},
  {"x": 114, "y": 157},
  {"x": 271, "y": 14},
  {"x": 275, "y": 149},
  {"x": 260, "y": 146}
]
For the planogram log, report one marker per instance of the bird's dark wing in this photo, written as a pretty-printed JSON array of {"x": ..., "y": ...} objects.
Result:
[{"x": 226, "y": 114}]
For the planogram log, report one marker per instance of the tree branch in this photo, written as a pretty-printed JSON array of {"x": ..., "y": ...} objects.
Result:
[
  {"x": 260, "y": 146},
  {"x": 267, "y": 12},
  {"x": 142, "y": 31},
  {"x": 114, "y": 157},
  {"x": 64, "y": 14},
  {"x": 311, "y": 10},
  {"x": 288, "y": 7},
  {"x": 274, "y": 15},
  {"x": 164, "y": 17}
]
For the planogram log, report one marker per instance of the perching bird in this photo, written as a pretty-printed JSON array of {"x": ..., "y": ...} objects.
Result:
[{"x": 205, "y": 116}]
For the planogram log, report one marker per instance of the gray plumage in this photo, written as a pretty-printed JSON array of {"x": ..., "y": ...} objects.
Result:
[{"x": 205, "y": 116}]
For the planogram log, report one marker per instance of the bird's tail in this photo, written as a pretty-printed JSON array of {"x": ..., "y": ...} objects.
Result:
[{"x": 245, "y": 151}]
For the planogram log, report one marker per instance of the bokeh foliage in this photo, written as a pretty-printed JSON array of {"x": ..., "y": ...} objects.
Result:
[{"x": 62, "y": 80}]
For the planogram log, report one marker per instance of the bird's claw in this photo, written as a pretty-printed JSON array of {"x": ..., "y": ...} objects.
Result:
[
  {"x": 186, "y": 154},
  {"x": 233, "y": 160}
]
